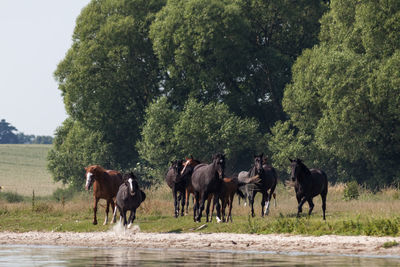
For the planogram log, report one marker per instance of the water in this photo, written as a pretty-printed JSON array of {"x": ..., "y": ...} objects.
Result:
[{"x": 20, "y": 255}]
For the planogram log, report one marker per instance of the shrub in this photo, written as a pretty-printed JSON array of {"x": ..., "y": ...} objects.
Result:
[
  {"x": 11, "y": 197},
  {"x": 351, "y": 191},
  {"x": 64, "y": 193}
]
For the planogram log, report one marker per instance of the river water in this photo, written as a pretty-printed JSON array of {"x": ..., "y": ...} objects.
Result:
[{"x": 21, "y": 255}]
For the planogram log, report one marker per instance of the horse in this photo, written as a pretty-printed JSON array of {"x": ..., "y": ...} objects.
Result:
[
  {"x": 267, "y": 182},
  {"x": 105, "y": 186},
  {"x": 176, "y": 182},
  {"x": 207, "y": 179},
  {"x": 308, "y": 184},
  {"x": 187, "y": 170},
  {"x": 129, "y": 197}
]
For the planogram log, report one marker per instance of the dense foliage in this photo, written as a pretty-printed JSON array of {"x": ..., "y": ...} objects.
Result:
[
  {"x": 237, "y": 52},
  {"x": 313, "y": 79},
  {"x": 344, "y": 101},
  {"x": 199, "y": 130}
]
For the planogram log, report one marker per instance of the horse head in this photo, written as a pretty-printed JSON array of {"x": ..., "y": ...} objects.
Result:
[
  {"x": 91, "y": 175},
  {"x": 219, "y": 163},
  {"x": 188, "y": 165},
  {"x": 298, "y": 169},
  {"x": 177, "y": 166},
  {"x": 258, "y": 163},
  {"x": 131, "y": 182}
]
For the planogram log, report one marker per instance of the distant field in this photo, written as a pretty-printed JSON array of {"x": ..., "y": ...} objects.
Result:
[{"x": 23, "y": 169}]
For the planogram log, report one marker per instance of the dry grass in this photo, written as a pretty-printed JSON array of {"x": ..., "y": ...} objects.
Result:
[{"x": 23, "y": 169}]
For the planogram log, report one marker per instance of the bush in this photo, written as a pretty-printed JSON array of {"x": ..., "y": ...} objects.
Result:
[
  {"x": 351, "y": 191},
  {"x": 64, "y": 193},
  {"x": 11, "y": 197}
]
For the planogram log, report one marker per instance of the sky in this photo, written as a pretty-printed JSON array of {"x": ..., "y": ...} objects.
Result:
[{"x": 35, "y": 36}]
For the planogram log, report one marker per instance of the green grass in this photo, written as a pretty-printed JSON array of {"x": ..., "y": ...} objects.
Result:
[
  {"x": 390, "y": 244},
  {"x": 23, "y": 170}
]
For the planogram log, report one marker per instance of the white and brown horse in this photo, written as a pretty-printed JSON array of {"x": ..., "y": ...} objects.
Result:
[{"x": 105, "y": 186}]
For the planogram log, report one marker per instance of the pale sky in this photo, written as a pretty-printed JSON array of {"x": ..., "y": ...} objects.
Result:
[{"x": 35, "y": 35}]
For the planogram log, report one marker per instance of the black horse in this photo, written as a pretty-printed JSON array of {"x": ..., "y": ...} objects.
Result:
[
  {"x": 129, "y": 197},
  {"x": 177, "y": 183},
  {"x": 207, "y": 179},
  {"x": 267, "y": 182},
  {"x": 308, "y": 184}
]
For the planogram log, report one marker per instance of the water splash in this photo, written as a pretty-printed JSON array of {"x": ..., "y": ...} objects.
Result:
[{"x": 119, "y": 229}]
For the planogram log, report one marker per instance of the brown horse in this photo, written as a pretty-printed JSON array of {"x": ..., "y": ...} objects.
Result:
[
  {"x": 105, "y": 186},
  {"x": 187, "y": 171}
]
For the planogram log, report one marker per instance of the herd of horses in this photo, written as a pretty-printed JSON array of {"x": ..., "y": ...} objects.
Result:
[{"x": 206, "y": 182}]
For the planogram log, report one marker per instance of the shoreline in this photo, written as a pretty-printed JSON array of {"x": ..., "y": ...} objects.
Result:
[{"x": 271, "y": 243}]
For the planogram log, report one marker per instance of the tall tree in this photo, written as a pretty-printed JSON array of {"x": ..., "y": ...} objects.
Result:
[
  {"x": 199, "y": 130},
  {"x": 345, "y": 92},
  {"x": 109, "y": 75},
  {"x": 239, "y": 52},
  {"x": 8, "y": 133}
]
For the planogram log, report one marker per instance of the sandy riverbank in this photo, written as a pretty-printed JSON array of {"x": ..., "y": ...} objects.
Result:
[{"x": 330, "y": 244}]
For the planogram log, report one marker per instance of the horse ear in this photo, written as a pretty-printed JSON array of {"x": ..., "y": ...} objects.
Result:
[
  {"x": 191, "y": 156},
  {"x": 262, "y": 155},
  {"x": 290, "y": 159}
]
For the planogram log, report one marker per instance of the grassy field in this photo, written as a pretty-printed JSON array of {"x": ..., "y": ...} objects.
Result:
[
  {"x": 371, "y": 214},
  {"x": 23, "y": 169}
]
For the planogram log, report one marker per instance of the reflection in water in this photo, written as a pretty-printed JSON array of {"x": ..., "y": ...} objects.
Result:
[{"x": 82, "y": 256}]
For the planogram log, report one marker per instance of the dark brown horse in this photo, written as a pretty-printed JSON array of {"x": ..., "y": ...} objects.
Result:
[
  {"x": 308, "y": 184},
  {"x": 187, "y": 171},
  {"x": 206, "y": 180},
  {"x": 266, "y": 185},
  {"x": 105, "y": 186},
  {"x": 129, "y": 198},
  {"x": 176, "y": 182}
]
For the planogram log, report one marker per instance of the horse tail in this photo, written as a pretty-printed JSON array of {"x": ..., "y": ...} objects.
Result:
[
  {"x": 240, "y": 194},
  {"x": 143, "y": 195}
]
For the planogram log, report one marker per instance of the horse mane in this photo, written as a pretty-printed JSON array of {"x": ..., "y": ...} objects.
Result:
[{"x": 96, "y": 168}]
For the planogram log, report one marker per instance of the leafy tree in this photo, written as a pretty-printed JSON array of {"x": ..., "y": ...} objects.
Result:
[
  {"x": 345, "y": 93},
  {"x": 8, "y": 133},
  {"x": 107, "y": 78},
  {"x": 238, "y": 52},
  {"x": 199, "y": 130},
  {"x": 76, "y": 147}
]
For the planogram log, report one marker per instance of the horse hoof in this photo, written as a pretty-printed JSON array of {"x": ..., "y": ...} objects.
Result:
[
  {"x": 218, "y": 219},
  {"x": 95, "y": 223}
]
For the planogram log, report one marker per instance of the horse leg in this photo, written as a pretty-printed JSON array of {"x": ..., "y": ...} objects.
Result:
[
  {"x": 209, "y": 198},
  {"x": 124, "y": 217},
  {"x": 323, "y": 196},
  {"x": 115, "y": 214},
  {"x": 299, "y": 208},
  {"x": 218, "y": 206},
  {"x": 268, "y": 203},
  {"x": 114, "y": 208},
  {"x": 251, "y": 203},
  {"x": 131, "y": 218},
  {"x": 96, "y": 200},
  {"x": 263, "y": 200},
  {"x": 187, "y": 200},
  {"x": 202, "y": 201},
  {"x": 176, "y": 206},
  {"x": 196, "y": 206},
  {"x": 107, "y": 210},
  {"x": 183, "y": 203},
  {"x": 230, "y": 203},
  {"x": 311, "y": 204}
]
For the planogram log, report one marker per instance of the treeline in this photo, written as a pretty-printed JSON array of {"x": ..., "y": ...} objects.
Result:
[
  {"x": 10, "y": 135},
  {"x": 146, "y": 82}
]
